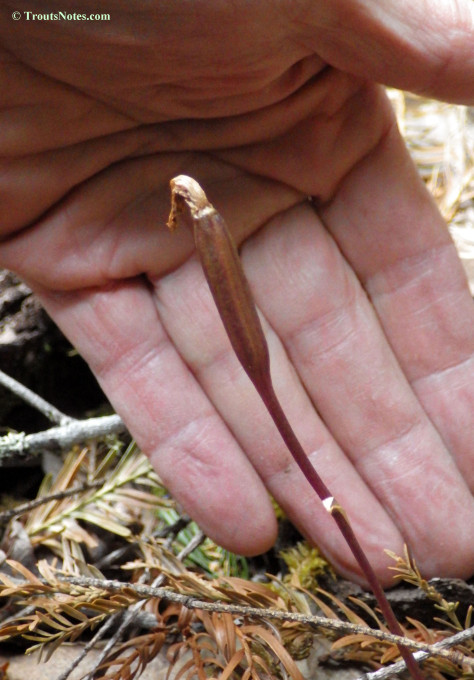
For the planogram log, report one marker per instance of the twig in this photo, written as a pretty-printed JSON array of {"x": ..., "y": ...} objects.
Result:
[
  {"x": 7, "y": 515},
  {"x": 171, "y": 530},
  {"x": 132, "y": 612},
  {"x": 194, "y": 543},
  {"x": 5, "y": 618},
  {"x": 16, "y": 447},
  {"x": 90, "y": 645},
  {"x": 399, "y": 666},
  {"x": 51, "y": 412},
  {"x": 343, "y": 627}
]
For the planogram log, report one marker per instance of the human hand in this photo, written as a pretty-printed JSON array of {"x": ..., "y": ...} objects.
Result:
[{"x": 367, "y": 312}]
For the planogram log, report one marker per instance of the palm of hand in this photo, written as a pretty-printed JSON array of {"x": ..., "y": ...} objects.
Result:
[{"x": 381, "y": 399}]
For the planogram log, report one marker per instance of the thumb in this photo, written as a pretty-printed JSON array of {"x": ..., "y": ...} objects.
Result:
[{"x": 423, "y": 46}]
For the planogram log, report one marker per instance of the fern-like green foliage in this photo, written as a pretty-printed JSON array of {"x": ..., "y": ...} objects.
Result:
[{"x": 208, "y": 556}]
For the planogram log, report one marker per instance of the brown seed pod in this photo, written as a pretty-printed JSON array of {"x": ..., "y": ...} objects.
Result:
[{"x": 225, "y": 276}]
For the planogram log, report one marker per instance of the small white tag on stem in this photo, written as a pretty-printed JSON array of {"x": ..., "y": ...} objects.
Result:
[{"x": 329, "y": 502}]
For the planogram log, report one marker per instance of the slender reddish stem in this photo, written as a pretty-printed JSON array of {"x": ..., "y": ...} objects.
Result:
[
  {"x": 234, "y": 301},
  {"x": 274, "y": 408}
]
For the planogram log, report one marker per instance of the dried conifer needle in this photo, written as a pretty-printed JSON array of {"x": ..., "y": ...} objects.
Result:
[{"x": 231, "y": 292}]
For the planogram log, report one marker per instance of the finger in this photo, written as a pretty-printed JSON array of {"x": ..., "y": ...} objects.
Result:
[
  {"x": 32, "y": 183},
  {"x": 191, "y": 319},
  {"x": 332, "y": 335},
  {"x": 53, "y": 172},
  {"x": 114, "y": 226},
  {"x": 390, "y": 230},
  {"x": 118, "y": 332},
  {"x": 381, "y": 214},
  {"x": 316, "y": 154},
  {"x": 404, "y": 44}
]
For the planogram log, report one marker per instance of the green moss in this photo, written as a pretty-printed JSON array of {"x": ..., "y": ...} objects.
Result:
[{"x": 305, "y": 563}]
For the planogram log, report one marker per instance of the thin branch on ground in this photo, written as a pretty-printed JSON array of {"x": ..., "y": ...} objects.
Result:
[
  {"x": 16, "y": 447},
  {"x": 336, "y": 625},
  {"x": 18, "y": 510},
  {"x": 51, "y": 412},
  {"x": 170, "y": 531},
  {"x": 399, "y": 666},
  {"x": 90, "y": 645},
  {"x": 5, "y": 619},
  {"x": 194, "y": 543},
  {"x": 131, "y": 614}
]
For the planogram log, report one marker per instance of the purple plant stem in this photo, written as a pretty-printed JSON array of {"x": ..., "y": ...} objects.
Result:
[
  {"x": 267, "y": 393},
  {"x": 229, "y": 287}
]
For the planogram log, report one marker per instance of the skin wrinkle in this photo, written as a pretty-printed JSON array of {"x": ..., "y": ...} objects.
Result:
[
  {"x": 276, "y": 89},
  {"x": 131, "y": 355},
  {"x": 246, "y": 128},
  {"x": 439, "y": 409},
  {"x": 431, "y": 294},
  {"x": 193, "y": 453},
  {"x": 207, "y": 133},
  {"x": 166, "y": 243},
  {"x": 55, "y": 186},
  {"x": 366, "y": 211},
  {"x": 312, "y": 513},
  {"x": 134, "y": 361},
  {"x": 332, "y": 320},
  {"x": 421, "y": 310},
  {"x": 178, "y": 441},
  {"x": 194, "y": 436},
  {"x": 435, "y": 378},
  {"x": 396, "y": 480},
  {"x": 260, "y": 86},
  {"x": 452, "y": 386},
  {"x": 404, "y": 42},
  {"x": 338, "y": 20},
  {"x": 69, "y": 117},
  {"x": 414, "y": 267},
  {"x": 328, "y": 132},
  {"x": 387, "y": 454},
  {"x": 374, "y": 539},
  {"x": 445, "y": 60},
  {"x": 442, "y": 491}
]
